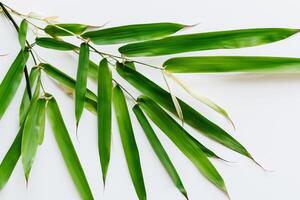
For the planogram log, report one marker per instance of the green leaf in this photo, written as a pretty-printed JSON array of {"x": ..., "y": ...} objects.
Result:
[
  {"x": 128, "y": 141},
  {"x": 207, "y": 41},
  {"x": 12, "y": 80},
  {"x": 214, "y": 64},
  {"x": 25, "y": 103},
  {"x": 104, "y": 115},
  {"x": 55, "y": 44},
  {"x": 68, "y": 151},
  {"x": 31, "y": 134},
  {"x": 132, "y": 33},
  {"x": 58, "y": 29},
  {"x": 81, "y": 80},
  {"x": 190, "y": 115},
  {"x": 159, "y": 149},
  {"x": 23, "y": 33},
  {"x": 93, "y": 70},
  {"x": 179, "y": 137},
  {"x": 10, "y": 160}
]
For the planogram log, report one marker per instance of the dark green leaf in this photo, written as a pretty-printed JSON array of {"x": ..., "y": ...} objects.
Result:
[
  {"x": 60, "y": 29},
  {"x": 31, "y": 134},
  {"x": 179, "y": 137},
  {"x": 131, "y": 33},
  {"x": 159, "y": 149},
  {"x": 213, "y": 64},
  {"x": 68, "y": 151},
  {"x": 128, "y": 142},
  {"x": 190, "y": 115},
  {"x": 104, "y": 115},
  {"x": 56, "y": 44},
  {"x": 12, "y": 80},
  {"x": 207, "y": 41},
  {"x": 10, "y": 160},
  {"x": 81, "y": 80},
  {"x": 23, "y": 33}
]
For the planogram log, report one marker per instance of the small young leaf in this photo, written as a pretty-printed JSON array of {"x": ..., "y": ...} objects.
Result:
[
  {"x": 159, "y": 149},
  {"x": 81, "y": 80},
  {"x": 31, "y": 134},
  {"x": 23, "y": 33},
  {"x": 207, "y": 41},
  {"x": 104, "y": 115},
  {"x": 68, "y": 151},
  {"x": 12, "y": 80},
  {"x": 179, "y": 137},
  {"x": 10, "y": 160},
  {"x": 216, "y": 64},
  {"x": 58, "y": 29},
  {"x": 128, "y": 142},
  {"x": 55, "y": 44},
  {"x": 132, "y": 33}
]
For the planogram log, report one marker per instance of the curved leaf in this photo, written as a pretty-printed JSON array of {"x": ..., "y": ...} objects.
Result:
[
  {"x": 12, "y": 80},
  {"x": 58, "y": 29},
  {"x": 132, "y": 33},
  {"x": 56, "y": 44},
  {"x": 104, "y": 115},
  {"x": 31, "y": 134},
  {"x": 214, "y": 64},
  {"x": 207, "y": 41},
  {"x": 179, "y": 137},
  {"x": 128, "y": 141},
  {"x": 68, "y": 151},
  {"x": 159, "y": 149},
  {"x": 10, "y": 160},
  {"x": 190, "y": 115},
  {"x": 23, "y": 33},
  {"x": 81, "y": 80}
]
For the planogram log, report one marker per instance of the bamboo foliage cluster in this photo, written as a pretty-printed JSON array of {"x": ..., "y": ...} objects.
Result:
[{"x": 155, "y": 104}]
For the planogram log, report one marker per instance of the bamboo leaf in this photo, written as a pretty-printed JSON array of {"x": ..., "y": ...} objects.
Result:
[
  {"x": 132, "y": 33},
  {"x": 191, "y": 116},
  {"x": 58, "y": 29},
  {"x": 25, "y": 103},
  {"x": 104, "y": 115},
  {"x": 12, "y": 80},
  {"x": 31, "y": 134},
  {"x": 55, "y": 44},
  {"x": 68, "y": 151},
  {"x": 23, "y": 33},
  {"x": 207, "y": 41},
  {"x": 81, "y": 80},
  {"x": 128, "y": 141},
  {"x": 159, "y": 149},
  {"x": 10, "y": 159},
  {"x": 179, "y": 137},
  {"x": 93, "y": 70},
  {"x": 215, "y": 64}
]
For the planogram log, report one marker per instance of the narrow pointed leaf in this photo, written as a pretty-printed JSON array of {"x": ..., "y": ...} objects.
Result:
[
  {"x": 128, "y": 142},
  {"x": 59, "y": 29},
  {"x": 179, "y": 137},
  {"x": 132, "y": 33},
  {"x": 12, "y": 80},
  {"x": 23, "y": 33},
  {"x": 32, "y": 129},
  {"x": 207, "y": 41},
  {"x": 25, "y": 103},
  {"x": 68, "y": 151},
  {"x": 215, "y": 64},
  {"x": 81, "y": 80},
  {"x": 159, "y": 149},
  {"x": 93, "y": 70},
  {"x": 10, "y": 159},
  {"x": 55, "y": 44},
  {"x": 104, "y": 115},
  {"x": 191, "y": 116}
]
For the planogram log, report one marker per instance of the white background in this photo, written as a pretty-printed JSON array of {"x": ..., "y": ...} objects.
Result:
[{"x": 265, "y": 108}]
